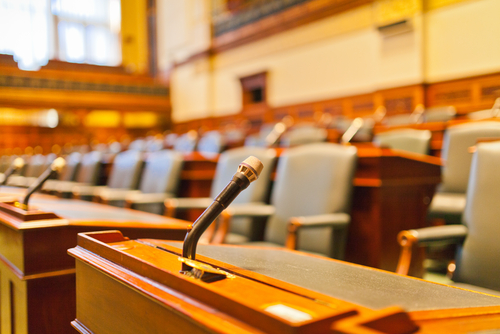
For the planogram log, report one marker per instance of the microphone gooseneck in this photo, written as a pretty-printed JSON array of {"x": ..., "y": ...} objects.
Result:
[
  {"x": 16, "y": 165},
  {"x": 55, "y": 168},
  {"x": 248, "y": 171}
]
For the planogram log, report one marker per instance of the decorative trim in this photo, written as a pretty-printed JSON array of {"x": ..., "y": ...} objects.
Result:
[
  {"x": 272, "y": 17},
  {"x": 14, "y": 81}
]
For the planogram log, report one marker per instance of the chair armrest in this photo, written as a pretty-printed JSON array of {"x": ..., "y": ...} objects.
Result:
[
  {"x": 85, "y": 190},
  {"x": 336, "y": 220},
  {"x": 425, "y": 236},
  {"x": 255, "y": 209},
  {"x": 173, "y": 204},
  {"x": 142, "y": 198},
  {"x": 114, "y": 194},
  {"x": 429, "y": 235}
]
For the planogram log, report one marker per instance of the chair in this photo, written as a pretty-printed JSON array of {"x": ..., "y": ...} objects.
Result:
[
  {"x": 476, "y": 262},
  {"x": 439, "y": 114},
  {"x": 124, "y": 175},
  {"x": 88, "y": 172},
  {"x": 486, "y": 113},
  {"x": 212, "y": 142},
  {"x": 34, "y": 168},
  {"x": 303, "y": 134},
  {"x": 186, "y": 143},
  {"x": 69, "y": 173},
  {"x": 227, "y": 165},
  {"x": 411, "y": 140},
  {"x": 449, "y": 201},
  {"x": 310, "y": 200},
  {"x": 159, "y": 181}
]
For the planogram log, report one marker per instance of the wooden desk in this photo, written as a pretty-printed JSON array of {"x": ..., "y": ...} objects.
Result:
[
  {"x": 392, "y": 190},
  {"x": 37, "y": 277},
  {"x": 139, "y": 289}
]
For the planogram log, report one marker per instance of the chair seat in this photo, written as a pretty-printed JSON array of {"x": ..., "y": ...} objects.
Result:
[{"x": 237, "y": 239}]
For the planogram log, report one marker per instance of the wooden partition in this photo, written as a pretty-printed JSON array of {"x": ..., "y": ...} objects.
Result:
[
  {"x": 75, "y": 91},
  {"x": 37, "y": 277}
]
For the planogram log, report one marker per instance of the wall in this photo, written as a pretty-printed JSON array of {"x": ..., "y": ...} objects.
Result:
[
  {"x": 462, "y": 40},
  {"x": 343, "y": 55}
]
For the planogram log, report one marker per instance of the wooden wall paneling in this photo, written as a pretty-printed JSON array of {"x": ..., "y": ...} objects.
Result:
[
  {"x": 402, "y": 99},
  {"x": 360, "y": 105},
  {"x": 460, "y": 94}
]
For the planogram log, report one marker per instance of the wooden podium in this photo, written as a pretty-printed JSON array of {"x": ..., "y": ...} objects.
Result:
[
  {"x": 37, "y": 276},
  {"x": 135, "y": 286}
]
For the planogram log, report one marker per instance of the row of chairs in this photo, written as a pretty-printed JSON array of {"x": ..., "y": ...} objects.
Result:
[{"x": 476, "y": 265}]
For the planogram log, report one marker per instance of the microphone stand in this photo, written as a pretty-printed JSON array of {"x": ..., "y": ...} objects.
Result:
[{"x": 55, "y": 168}]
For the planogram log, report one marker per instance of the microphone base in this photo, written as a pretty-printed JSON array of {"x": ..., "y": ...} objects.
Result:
[
  {"x": 202, "y": 271},
  {"x": 25, "y": 215}
]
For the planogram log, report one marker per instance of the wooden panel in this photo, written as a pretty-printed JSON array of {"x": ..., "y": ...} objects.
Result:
[{"x": 467, "y": 95}]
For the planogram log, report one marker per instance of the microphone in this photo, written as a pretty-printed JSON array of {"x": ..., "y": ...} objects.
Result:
[
  {"x": 351, "y": 131},
  {"x": 16, "y": 165},
  {"x": 248, "y": 171},
  {"x": 55, "y": 168}
]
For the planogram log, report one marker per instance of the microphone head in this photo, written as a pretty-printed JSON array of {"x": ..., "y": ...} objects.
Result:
[
  {"x": 251, "y": 167},
  {"x": 18, "y": 163},
  {"x": 58, "y": 164}
]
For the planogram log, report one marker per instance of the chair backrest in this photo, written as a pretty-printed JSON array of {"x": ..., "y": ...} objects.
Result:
[
  {"x": 36, "y": 166},
  {"x": 481, "y": 114},
  {"x": 412, "y": 140},
  {"x": 440, "y": 114},
  {"x": 455, "y": 152},
  {"x": 90, "y": 167},
  {"x": 301, "y": 135},
  {"x": 477, "y": 261},
  {"x": 71, "y": 168},
  {"x": 186, "y": 143},
  {"x": 162, "y": 172},
  {"x": 211, "y": 142},
  {"x": 311, "y": 180},
  {"x": 126, "y": 170},
  {"x": 259, "y": 138},
  {"x": 227, "y": 166}
]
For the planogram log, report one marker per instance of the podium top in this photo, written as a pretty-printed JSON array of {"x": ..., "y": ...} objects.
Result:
[{"x": 357, "y": 284}]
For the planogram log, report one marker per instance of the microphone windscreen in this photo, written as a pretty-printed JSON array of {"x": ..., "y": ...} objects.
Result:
[
  {"x": 18, "y": 163},
  {"x": 58, "y": 164},
  {"x": 251, "y": 167}
]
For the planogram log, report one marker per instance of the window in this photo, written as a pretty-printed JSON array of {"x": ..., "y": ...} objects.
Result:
[{"x": 76, "y": 31}]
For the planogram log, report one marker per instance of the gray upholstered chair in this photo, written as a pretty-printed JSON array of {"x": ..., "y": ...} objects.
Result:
[
  {"x": 227, "y": 165},
  {"x": 88, "y": 172},
  {"x": 68, "y": 175},
  {"x": 310, "y": 201},
  {"x": 34, "y": 168},
  {"x": 449, "y": 201},
  {"x": 477, "y": 263},
  {"x": 125, "y": 173},
  {"x": 186, "y": 143},
  {"x": 159, "y": 181},
  {"x": 303, "y": 134},
  {"x": 411, "y": 140},
  {"x": 211, "y": 142},
  {"x": 439, "y": 114}
]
